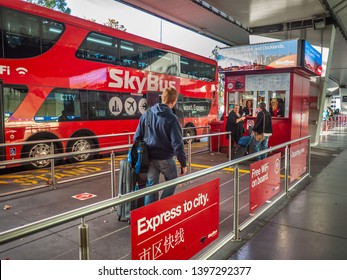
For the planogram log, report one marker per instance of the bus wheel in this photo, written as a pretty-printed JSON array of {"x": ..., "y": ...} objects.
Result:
[
  {"x": 189, "y": 132},
  {"x": 78, "y": 146},
  {"x": 38, "y": 150}
]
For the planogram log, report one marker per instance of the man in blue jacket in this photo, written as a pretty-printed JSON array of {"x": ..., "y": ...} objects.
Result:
[{"x": 164, "y": 141}]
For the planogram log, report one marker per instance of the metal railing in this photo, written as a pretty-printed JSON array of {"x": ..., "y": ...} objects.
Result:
[
  {"x": 334, "y": 121},
  {"x": 52, "y": 182},
  {"x": 81, "y": 213}
]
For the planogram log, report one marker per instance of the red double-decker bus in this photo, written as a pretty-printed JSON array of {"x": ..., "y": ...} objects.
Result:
[{"x": 62, "y": 77}]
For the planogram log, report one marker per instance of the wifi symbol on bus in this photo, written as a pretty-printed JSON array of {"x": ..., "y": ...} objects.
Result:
[{"x": 21, "y": 71}]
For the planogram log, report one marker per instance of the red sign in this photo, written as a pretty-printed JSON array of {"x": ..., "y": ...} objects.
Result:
[
  {"x": 265, "y": 180},
  {"x": 84, "y": 196},
  {"x": 177, "y": 227},
  {"x": 298, "y": 160},
  {"x": 235, "y": 83}
]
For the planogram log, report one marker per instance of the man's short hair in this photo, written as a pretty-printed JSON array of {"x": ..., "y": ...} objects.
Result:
[
  {"x": 262, "y": 105},
  {"x": 169, "y": 95}
]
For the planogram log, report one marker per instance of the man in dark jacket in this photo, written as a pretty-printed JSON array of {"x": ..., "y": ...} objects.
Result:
[
  {"x": 263, "y": 124},
  {"x": 164, "y": 141}
]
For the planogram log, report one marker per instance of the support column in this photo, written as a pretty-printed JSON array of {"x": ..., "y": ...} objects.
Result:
[{"x": 324, "y": 86}]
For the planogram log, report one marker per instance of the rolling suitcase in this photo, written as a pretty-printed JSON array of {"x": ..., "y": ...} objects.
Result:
[
  {"x": 241, "y": 148},
  {"x": 128, "y": 182},
  {"x": 238, "y": 151}
]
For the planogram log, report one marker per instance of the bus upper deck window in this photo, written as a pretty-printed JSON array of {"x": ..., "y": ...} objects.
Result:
[{"x": 28, "y": 35}]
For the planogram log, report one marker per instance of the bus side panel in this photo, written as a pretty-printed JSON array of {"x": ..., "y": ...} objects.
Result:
[{"x": 2, "y": 123}]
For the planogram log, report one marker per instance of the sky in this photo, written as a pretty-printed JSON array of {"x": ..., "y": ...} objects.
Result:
[
  {"x": 133, "y": 20},
  {"x": 155, "y": 28}
]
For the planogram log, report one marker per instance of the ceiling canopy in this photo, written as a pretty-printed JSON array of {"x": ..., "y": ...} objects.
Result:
[{"x": 231, "y": 22}]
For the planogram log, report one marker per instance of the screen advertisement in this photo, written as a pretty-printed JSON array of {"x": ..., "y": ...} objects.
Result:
[
  {"x": 312, "y": 59},
  {"x": 177, "y": 227},
  {"x": 282, "y": 54}
]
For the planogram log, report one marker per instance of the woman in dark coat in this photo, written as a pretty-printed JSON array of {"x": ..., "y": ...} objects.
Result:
[{"x": 235, "y": 125}]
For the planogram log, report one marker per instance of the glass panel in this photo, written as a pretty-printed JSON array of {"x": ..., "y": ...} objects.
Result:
[
  {"x": 13, "y": 97},
  {"x": 98, "y": 47},
  {"x": 194, "y": 107},
  {"x": 163, "y": 62},
  {"x": 247, "y": 100},
  {"x": 60, "y": 105},
  {"x": 27, "y": 35},
  {"x": 194, "y": 69},
  {"x": 135, "y": 55},
  {"x": 277, "y": 103},
  {"x": 260, "y": 96}
]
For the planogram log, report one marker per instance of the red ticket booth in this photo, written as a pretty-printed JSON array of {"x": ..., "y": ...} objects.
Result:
[{"x": 277, "y": 73}]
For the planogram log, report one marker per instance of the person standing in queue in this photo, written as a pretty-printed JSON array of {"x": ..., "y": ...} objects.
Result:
[
  {"x": 235, "y": 125},
  {"x": 263, "y": 124},
  {"x": 164, "y": 141}
]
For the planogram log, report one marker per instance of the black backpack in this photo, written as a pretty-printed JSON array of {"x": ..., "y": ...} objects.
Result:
[{"x": 138, "y": 154}]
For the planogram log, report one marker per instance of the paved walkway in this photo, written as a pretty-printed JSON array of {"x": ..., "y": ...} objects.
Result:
[{"x": 313, "y": 225}]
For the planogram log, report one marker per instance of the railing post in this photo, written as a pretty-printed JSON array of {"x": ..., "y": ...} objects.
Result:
[
  {"x": 286, "y": 169},
  {"x": 84, "y": 240},
  {"x": 189, "y": 156},
  {"x": 53, "y": 181},
  {"x": 113, "y": 176},
  {"x": 309, "y": 157},
  {"x": 236, "y": 203},
  {"x": 209, "y": 138},
  {"x": 229, "y": 148}
]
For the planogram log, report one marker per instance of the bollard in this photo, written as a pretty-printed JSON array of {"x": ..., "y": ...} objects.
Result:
[{"x": 84, "y": 240}]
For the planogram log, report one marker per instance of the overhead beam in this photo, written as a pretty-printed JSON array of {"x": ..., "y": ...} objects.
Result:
[{"x": 287, "y": 26}]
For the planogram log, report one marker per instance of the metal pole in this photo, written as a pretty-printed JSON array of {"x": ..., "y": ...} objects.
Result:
[
  {"x": 84, "y": 240},
  {"x": 236, "y": 203},
  {"x": 113, "y": 178},
  {"x": 218, "y": 151},
  {"x": 286, "y": 170},
  {"x": 229, "y": 150},
  {"x": 209, "y": 138},
  {"x": 189, "y": 156},
  {"x": 309, "y": 157},
  {"x": 53, "y": 180}
]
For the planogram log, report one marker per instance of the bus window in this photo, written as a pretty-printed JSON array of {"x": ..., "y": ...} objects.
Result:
[
  {"x": 13, "y": 97},
  {"x": 60, "y": 105},
  {"x": 178, "y": 109},
  {"x": 135, "y": 55},
  {"x": 152, "y": 98},
  {"x": 98, "y": 47},
  {"x": 194, "y": 69},
  {"x": 163, "y": 62},
  {"x": 27, "y": 35}
]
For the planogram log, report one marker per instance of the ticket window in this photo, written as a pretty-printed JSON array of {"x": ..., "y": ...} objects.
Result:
[
  {"x": 247, "y": 101},
  {"x": 232, "y": 99},
  {"x": 277, "y": 103}
]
